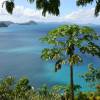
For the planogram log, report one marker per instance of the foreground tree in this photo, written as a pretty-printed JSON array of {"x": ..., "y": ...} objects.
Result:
[
  {"x": 52, "y": 6},
  {"x": 66, "y": 44}
]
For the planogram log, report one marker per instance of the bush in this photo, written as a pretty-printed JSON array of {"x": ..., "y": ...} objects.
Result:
[
  {"x": 82, "y": 96},
  {"x": 10, "y": 89}
]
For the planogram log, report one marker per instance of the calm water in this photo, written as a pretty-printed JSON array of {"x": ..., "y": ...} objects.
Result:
[{"x": 20, "y": 50}]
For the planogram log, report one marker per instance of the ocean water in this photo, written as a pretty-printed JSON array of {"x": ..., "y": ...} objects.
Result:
[{"x": 20, "y": 50}]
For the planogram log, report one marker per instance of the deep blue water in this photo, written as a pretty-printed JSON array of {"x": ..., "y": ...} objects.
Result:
[{"x": 20, "y": 50}]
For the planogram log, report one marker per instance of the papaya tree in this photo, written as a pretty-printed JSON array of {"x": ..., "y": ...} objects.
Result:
[{"x": 64, "y": 41}]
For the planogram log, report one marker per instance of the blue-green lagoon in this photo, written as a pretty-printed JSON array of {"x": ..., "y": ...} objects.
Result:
[{"x": 20, "y": 55}]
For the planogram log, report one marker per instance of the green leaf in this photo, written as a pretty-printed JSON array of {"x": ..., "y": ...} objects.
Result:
[
  {"x": 92, "y": 49},
  {"x": 75, "y": 59}
]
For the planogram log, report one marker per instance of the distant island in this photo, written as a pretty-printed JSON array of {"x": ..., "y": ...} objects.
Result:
[
  {"x": 7, "y": 23},
  {"x": 3, "y": 25},
  {"x": 28, "y": 23}
]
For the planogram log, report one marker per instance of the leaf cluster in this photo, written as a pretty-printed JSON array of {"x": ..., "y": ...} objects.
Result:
[
  {"x": 66, "y": 40},
  {"x": 92, "y": 75}
]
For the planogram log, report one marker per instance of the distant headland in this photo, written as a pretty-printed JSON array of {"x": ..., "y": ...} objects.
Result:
[
  {"x": 28, "y": 23},
  {"x": 7, "y": 23}
]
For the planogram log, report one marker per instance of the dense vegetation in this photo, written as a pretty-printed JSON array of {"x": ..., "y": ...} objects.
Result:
[
  {"x": 10, "y": 89},
  {"x": 66, "y": 44}
]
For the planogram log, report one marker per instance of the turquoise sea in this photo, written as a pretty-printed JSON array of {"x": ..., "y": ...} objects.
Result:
[{"x": 20, "y": 50}]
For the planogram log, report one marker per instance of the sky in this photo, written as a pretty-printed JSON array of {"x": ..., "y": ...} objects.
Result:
[{"x": 69, "y": 12}]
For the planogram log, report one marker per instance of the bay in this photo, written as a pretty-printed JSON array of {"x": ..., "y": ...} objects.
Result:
[{"x": 20, "y": 51}]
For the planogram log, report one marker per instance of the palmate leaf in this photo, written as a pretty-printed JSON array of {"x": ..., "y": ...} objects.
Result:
[
  {"x": 87, "y": 30},
  {"x": 50, "y": 54},
  {"x": 91, "y": 48},
  {"x": 9, "y": 6},
  {"x": 74, "y": 59},
  {"x": 71, "y": 30},
  {"x": 88, "y": 34},
  {"x": 92, "y": 75},
  {"x": 69, "y": 48}
]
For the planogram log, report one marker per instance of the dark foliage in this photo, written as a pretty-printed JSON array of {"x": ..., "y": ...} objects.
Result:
[
  {"x": 52, "y": 6},
  {"x": 85, "y": 2}
]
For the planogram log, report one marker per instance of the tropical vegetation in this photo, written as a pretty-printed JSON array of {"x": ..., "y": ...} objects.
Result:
[
  {"x": 12, "y": 89},
  {"x": 67, "y": 42}
]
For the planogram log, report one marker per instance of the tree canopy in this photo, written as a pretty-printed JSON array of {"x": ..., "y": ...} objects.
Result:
[
  {"x": 52, "y": 6},
  {"x": 66, "y": 39}
]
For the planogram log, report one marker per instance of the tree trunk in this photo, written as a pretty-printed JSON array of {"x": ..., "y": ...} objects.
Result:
[{"x": 71, "y": 83}]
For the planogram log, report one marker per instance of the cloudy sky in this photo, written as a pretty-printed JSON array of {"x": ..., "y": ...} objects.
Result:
[{"x": 69, "y": 12}]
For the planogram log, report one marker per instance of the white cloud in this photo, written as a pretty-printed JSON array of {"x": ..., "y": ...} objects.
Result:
[
  {"x": 23, "y": 14},
  {"x": 1, "y": 1},
  {"x": 83, "y": 16}
]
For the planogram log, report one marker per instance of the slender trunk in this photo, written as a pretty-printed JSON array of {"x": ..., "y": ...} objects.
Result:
[{"x": 71, "y": 83}]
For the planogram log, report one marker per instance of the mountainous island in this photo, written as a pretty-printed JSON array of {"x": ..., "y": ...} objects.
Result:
[
  {"x": 28, "y": 23},
  {"x": 7, "y": 23}
]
